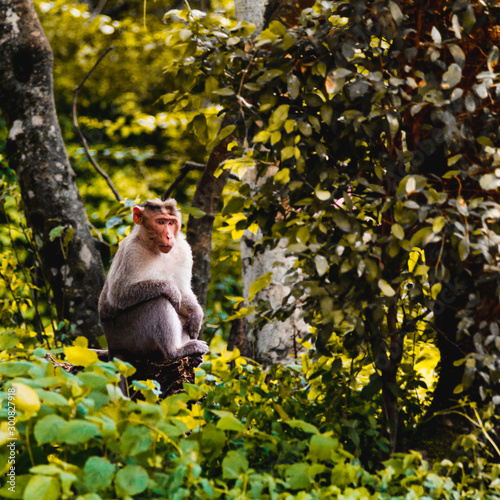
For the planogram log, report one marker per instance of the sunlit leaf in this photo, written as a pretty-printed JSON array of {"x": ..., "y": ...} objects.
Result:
[{"x": 260, "y": 283}]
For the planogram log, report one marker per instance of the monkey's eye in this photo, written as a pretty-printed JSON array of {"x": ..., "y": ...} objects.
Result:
[{"x": 160, "y": 221}]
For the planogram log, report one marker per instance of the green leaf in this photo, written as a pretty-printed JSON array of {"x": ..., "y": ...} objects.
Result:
[
  {"x": 289, "y": 152},
  {"x": 463, "y": 249},
  {"x": 196, "y": 212},
  {"x": 47, "y": 429},
  {"x": 297, "y": 476},
  {"x": 321, "y": 447},
  {"x": 393, "y": 122},
  {"x": 373, "y": 387},
  {"x": 230, "y": 423},
  {"x": 469, "y": 18},
  {"x": 77, "y": 431},
  {"x": 397, "y": 231},
  {"x": 8, "y": 339},
  {"x": 435, "y": 290},
  {"x": 485, "y": 141},
  {"x": 131, "y": 480},
  {"x": 326, "y": 113},
  {"x": 282, "y": 176},
  {"x": 260, "y": 283},
  {"x": 56, "y": 232},
  {"x": 51, "y": 398},
  {"x": 279, "y": 117},
  {"x": 213, "y": 440},
  {"x": 233, "y": 465},
  {"x": 342, "y": 221},
  {"x": 98, "y": 473},
  {"x": 225, "y": 132},
  {"x": 411, "y": 184},
  {"x": 303, "y": 426},
  {"x": 438, "y": 224},
  {"x": 15, "y": 368},
  {"x": 450, "y": 174},
  {"x": 434, "y": 196},
  {"x": 93, "y": 380},
  {"x": 42, "y": 488},
  {"x": 226, "y": 92},
  {"x": 195, "y": 392},
  {"x": 135, "y": 440}
]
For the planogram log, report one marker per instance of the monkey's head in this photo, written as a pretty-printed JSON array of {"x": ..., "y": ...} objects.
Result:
[{"x": 160, "y": 222}]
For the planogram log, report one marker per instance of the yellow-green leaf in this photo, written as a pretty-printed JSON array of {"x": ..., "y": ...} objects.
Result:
[
  {"x": 386, "y": 289},
  {"x": 79, "y": 355},
  {"x": 260, "y": 283}
]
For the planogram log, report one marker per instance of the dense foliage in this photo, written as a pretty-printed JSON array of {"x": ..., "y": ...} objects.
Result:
[
  {"x": 373, "y": 129},
  {"x": 239, "y": 433}
]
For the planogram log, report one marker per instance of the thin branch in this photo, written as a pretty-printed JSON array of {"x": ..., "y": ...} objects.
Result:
[
  {"x": 98, "y": 9},
  {"x": 188, "y": 166},
  {"x": 80, "y": 133}
]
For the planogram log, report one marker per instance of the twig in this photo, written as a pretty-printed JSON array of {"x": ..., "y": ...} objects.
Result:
[
  {"x": 188, "y": 166},
  {"x": 98, "y": 9},
  {"x": 80, "y": 133}
]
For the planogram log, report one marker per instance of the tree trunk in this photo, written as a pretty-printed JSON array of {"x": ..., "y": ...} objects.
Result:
[
  {"x": 199, "y": 231},
  {"x": 35, "y": 150},
  {"x": 251, "y": 11},
  {"x": 276, "y": 342}
]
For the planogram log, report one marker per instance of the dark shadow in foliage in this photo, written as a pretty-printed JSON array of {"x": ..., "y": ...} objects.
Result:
[{"x": 169, "y": 373}]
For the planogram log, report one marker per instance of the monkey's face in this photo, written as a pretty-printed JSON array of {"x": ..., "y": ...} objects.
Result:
[{"x": 163, "y": 231}]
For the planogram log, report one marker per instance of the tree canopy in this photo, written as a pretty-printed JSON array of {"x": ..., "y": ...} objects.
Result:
[{"x": 366, "y": 137}]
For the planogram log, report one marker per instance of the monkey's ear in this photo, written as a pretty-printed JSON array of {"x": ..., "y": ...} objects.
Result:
[{"x": 137, "y": 215}]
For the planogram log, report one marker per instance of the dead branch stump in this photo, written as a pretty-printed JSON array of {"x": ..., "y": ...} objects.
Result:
[{"x": 169, "y": 373}]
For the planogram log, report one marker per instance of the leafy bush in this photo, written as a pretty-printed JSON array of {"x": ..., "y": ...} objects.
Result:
[{"x": 239, "y": 432}]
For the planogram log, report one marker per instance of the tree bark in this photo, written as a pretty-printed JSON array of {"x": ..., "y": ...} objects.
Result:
[
  {"x": 199, "y": 231},
  {"x": 276, "y": 341},
  {"x": 36, "y": 151},
  {"x": 251, "y": 11}
]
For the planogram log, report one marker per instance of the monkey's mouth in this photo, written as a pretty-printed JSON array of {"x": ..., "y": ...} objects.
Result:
[{"x": 165, "y": 248}]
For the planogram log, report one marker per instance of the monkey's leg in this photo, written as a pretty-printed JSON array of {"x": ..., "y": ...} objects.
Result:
[
  {"x": 148, "y": 328},
  {"x": 171, "y": 339}
]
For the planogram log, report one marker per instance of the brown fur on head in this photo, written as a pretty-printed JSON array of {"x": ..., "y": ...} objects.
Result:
[
  {"x": 159, "y": 222},
  {"x": 166, "y": 207}
]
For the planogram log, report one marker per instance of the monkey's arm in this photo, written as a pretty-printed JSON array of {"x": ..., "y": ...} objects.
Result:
[
  {"x": 112, "y": 304},
  {"x": 193, "y": 312}
]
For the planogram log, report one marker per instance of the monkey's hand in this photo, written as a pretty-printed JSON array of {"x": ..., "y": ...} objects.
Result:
[
  {"x": 193, "y": 324},
  {"x": 173, "y": 294}
]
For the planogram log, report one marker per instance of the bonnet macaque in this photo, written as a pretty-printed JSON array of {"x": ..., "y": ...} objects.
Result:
[{"x": 147, "y": 307}]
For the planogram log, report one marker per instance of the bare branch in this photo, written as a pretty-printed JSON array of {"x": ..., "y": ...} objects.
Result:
[
  {"x": 80, "y": 133},
  {"x": 188, "y": 166}
]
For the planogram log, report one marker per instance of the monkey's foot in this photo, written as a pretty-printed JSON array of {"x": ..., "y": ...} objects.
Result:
[{"x": 197, "y": 359}]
